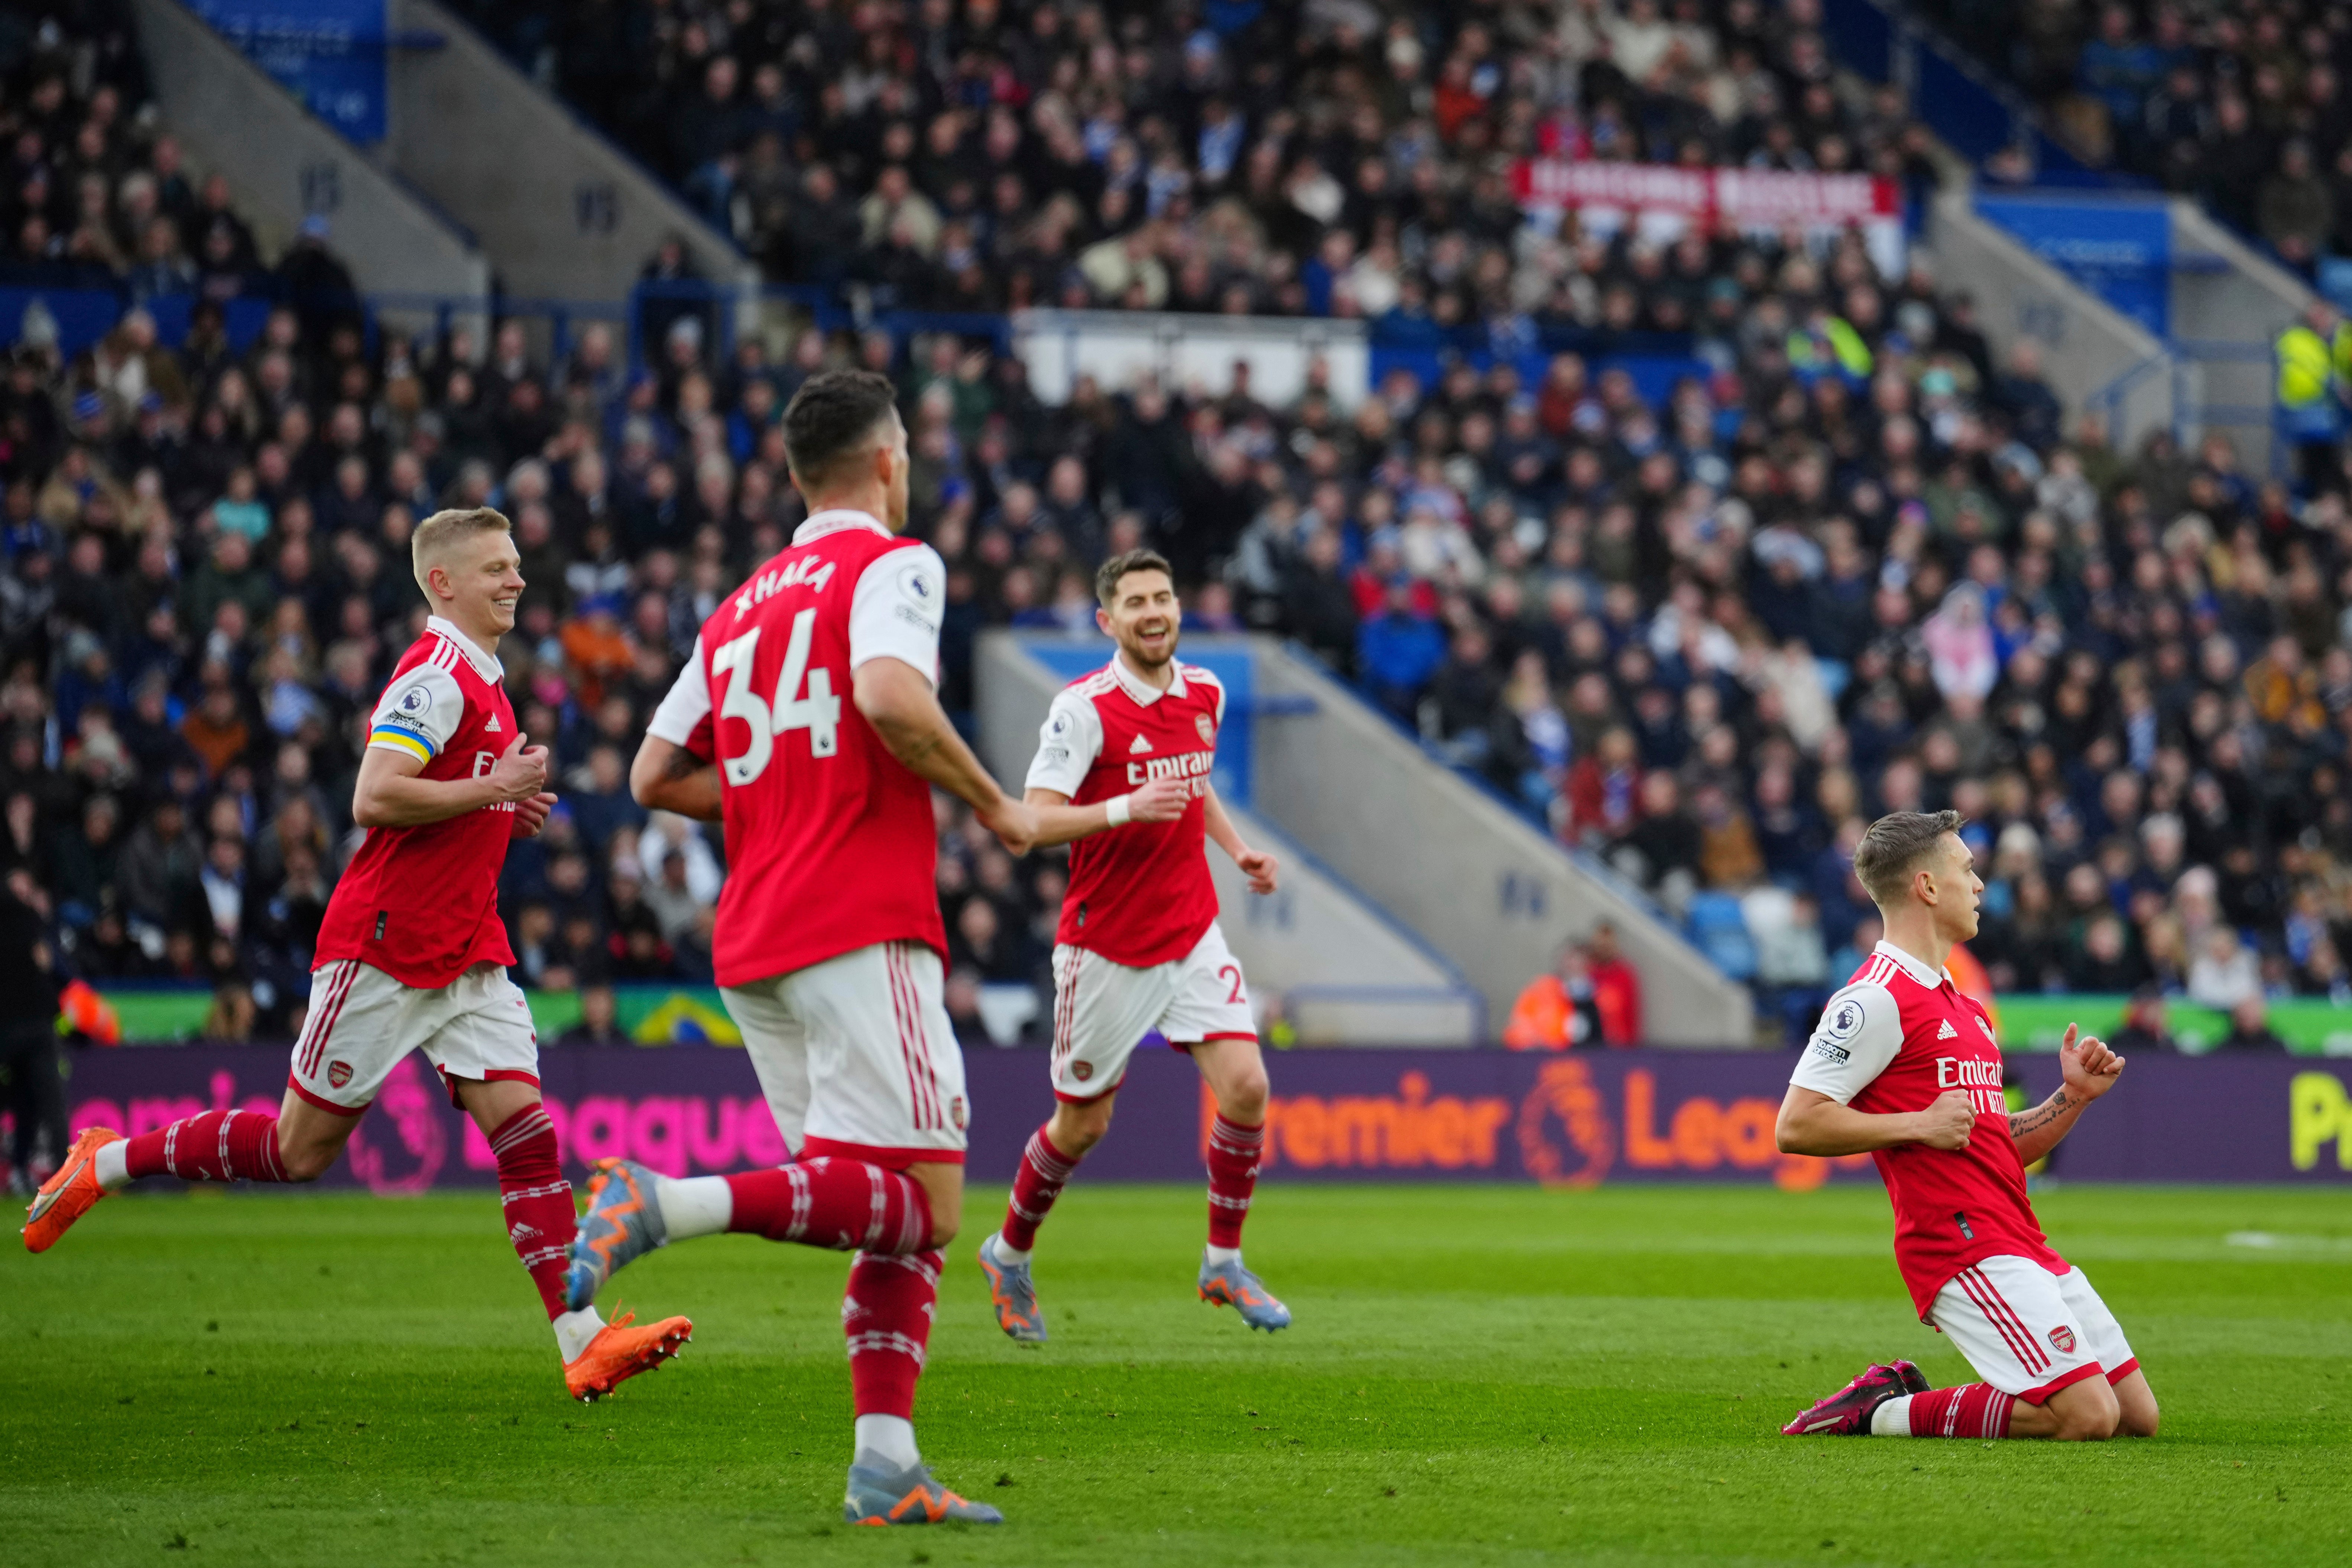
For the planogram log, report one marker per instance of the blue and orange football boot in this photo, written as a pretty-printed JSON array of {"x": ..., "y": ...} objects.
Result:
[
  {"x": 1231, "y": 1285},
  {"x": 624, "y": 1223},
  {"x": 1847, "y": 1412},
  {"x": 1012, "y": 1293},
  {"x": 68, "y": 1193},
  {"x": 907, "y": 1496}
]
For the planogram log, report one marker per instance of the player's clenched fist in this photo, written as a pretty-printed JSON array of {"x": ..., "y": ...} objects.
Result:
[
  {"x": 521, "y": 772},
  {"x": 530, "y": 816},
  {"x": 1161, "y": 800},
  {"x": 1261, "y": 867},
  {"x": 1013, "y": 822},
  {"x": 1946, "y": 1121}
]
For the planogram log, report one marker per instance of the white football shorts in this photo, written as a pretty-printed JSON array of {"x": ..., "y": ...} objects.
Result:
[
  {"x": 361, "y": 1021},
  {"x": 2030, "y": 1332},
  {"x": 856, "y": 1055},
  {"x": 1102, "y": 1010}
]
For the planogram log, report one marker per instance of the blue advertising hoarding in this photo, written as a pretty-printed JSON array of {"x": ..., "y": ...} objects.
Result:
[
  {"x": 331, "y": 53},
  {"x": 2120, "y": 251}
]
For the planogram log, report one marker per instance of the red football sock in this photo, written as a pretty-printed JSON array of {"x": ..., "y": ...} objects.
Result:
[
  {"x": 216, "y": 1146},
  {"x": 1232, "y": 1176},
  {"x": 1044, "y": 1171},
  {"x": 537, "y": 1200},
  {"x": 1971, "y": 1410},
  {"x": 887, "y": 1314},
  {"x": 846, "y": 1205}
]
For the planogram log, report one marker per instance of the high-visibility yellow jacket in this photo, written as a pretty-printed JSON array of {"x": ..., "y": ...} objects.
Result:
[
  {"x": 1834, "y": 343},
  {"x": 2307, "y": 362}
]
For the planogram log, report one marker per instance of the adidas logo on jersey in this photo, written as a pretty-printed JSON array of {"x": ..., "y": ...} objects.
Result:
[
  {"x": 1944, "y": 1031},
  {"x": 1141, "y": 746},
  {"x": 493, "y": 725}
]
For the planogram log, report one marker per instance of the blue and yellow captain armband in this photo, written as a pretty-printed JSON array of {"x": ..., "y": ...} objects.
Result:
[{"x": 407, "y": 740}]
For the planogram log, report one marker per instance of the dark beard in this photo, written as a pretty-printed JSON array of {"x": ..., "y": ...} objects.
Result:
[{"x": 1144, "y": 666}]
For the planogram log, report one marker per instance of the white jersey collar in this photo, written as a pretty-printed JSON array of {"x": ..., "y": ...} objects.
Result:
[
  {"x": 486, "y": 665},
  {"x": 1144, "y": 693},
  {"x": 834, "y": 520},
  {"x": 1912, "y": 967}
]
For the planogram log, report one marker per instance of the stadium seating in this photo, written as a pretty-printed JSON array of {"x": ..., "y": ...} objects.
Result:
[
  {"x": 2243, "y": 107},
  {"x": 1835, "y": 559},
  {"x": 1719, "y": 927}
]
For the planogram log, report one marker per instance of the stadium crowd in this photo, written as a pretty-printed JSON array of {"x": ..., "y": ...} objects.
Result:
[
  {"x": 1341, "y": 157},
  {"x": 2245, "y": 106},
  {"x": 1850, "y": 563}
]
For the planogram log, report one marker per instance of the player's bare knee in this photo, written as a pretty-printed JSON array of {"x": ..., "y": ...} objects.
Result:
[
  {"x": 1080, "y": 1125},
  {"x": 2139, "y": 1418},
  {"x": 947, "y": 1216},
  {"x": 1244, "y": 1100},
  {"x": 2090, "y": 1418},
  {"x": 306, "y": 1163}
]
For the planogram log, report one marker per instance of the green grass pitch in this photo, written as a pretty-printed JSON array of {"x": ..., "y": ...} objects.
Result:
[{"x": 1483, "y": 1375}]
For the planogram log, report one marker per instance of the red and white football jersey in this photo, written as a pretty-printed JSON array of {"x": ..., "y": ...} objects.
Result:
[
  {"x": 1140, "y": 894},
  {"x": 1899, "y": 1034},
  {"x": 422, "y": 903},
  {"x": 830, "y": 841}
]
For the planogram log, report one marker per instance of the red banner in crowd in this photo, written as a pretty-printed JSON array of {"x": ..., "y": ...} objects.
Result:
[{"x": 1723, "y": 199}]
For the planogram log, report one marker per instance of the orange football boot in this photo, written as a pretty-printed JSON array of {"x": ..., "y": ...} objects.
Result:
[
  {"x": 620, "y": 1351},
  {"x": 66, "y": 1196}
]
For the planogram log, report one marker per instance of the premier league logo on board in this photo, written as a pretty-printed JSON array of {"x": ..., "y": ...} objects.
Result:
[
  {"x": 1208, "y": 729},
  {"x": 1566, "y": 1138},
  {"x": 2064, "y": 1338}
]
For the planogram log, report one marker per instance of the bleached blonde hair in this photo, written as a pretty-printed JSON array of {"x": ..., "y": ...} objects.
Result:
[{"x": 434, "y": 536}]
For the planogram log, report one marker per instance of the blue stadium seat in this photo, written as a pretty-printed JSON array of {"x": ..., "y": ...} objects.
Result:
[{"x": 1720, "y": 930}]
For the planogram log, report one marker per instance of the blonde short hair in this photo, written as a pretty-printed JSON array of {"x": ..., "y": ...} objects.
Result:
[{"x": 434, "y": 536}]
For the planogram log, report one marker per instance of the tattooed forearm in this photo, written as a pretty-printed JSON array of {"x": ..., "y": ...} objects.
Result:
[
  {"x": 682, "y": 762},
  {"x": 2024, "y": 1121}
]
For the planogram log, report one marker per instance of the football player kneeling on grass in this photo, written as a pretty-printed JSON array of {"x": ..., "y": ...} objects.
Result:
[{"x": 1906, "y": 1069}]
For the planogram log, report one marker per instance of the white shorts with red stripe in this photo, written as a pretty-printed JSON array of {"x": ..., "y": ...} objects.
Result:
[
  {"x": 856, "y": 1055},
  {"x": 361, "y": 1021},
  {"x": 1102, "y": 1010},
  {"x": 2028, "y": 1331}
]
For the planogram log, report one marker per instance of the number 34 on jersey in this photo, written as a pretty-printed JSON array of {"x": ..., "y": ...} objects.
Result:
[{"x": 818, "y": 713}]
